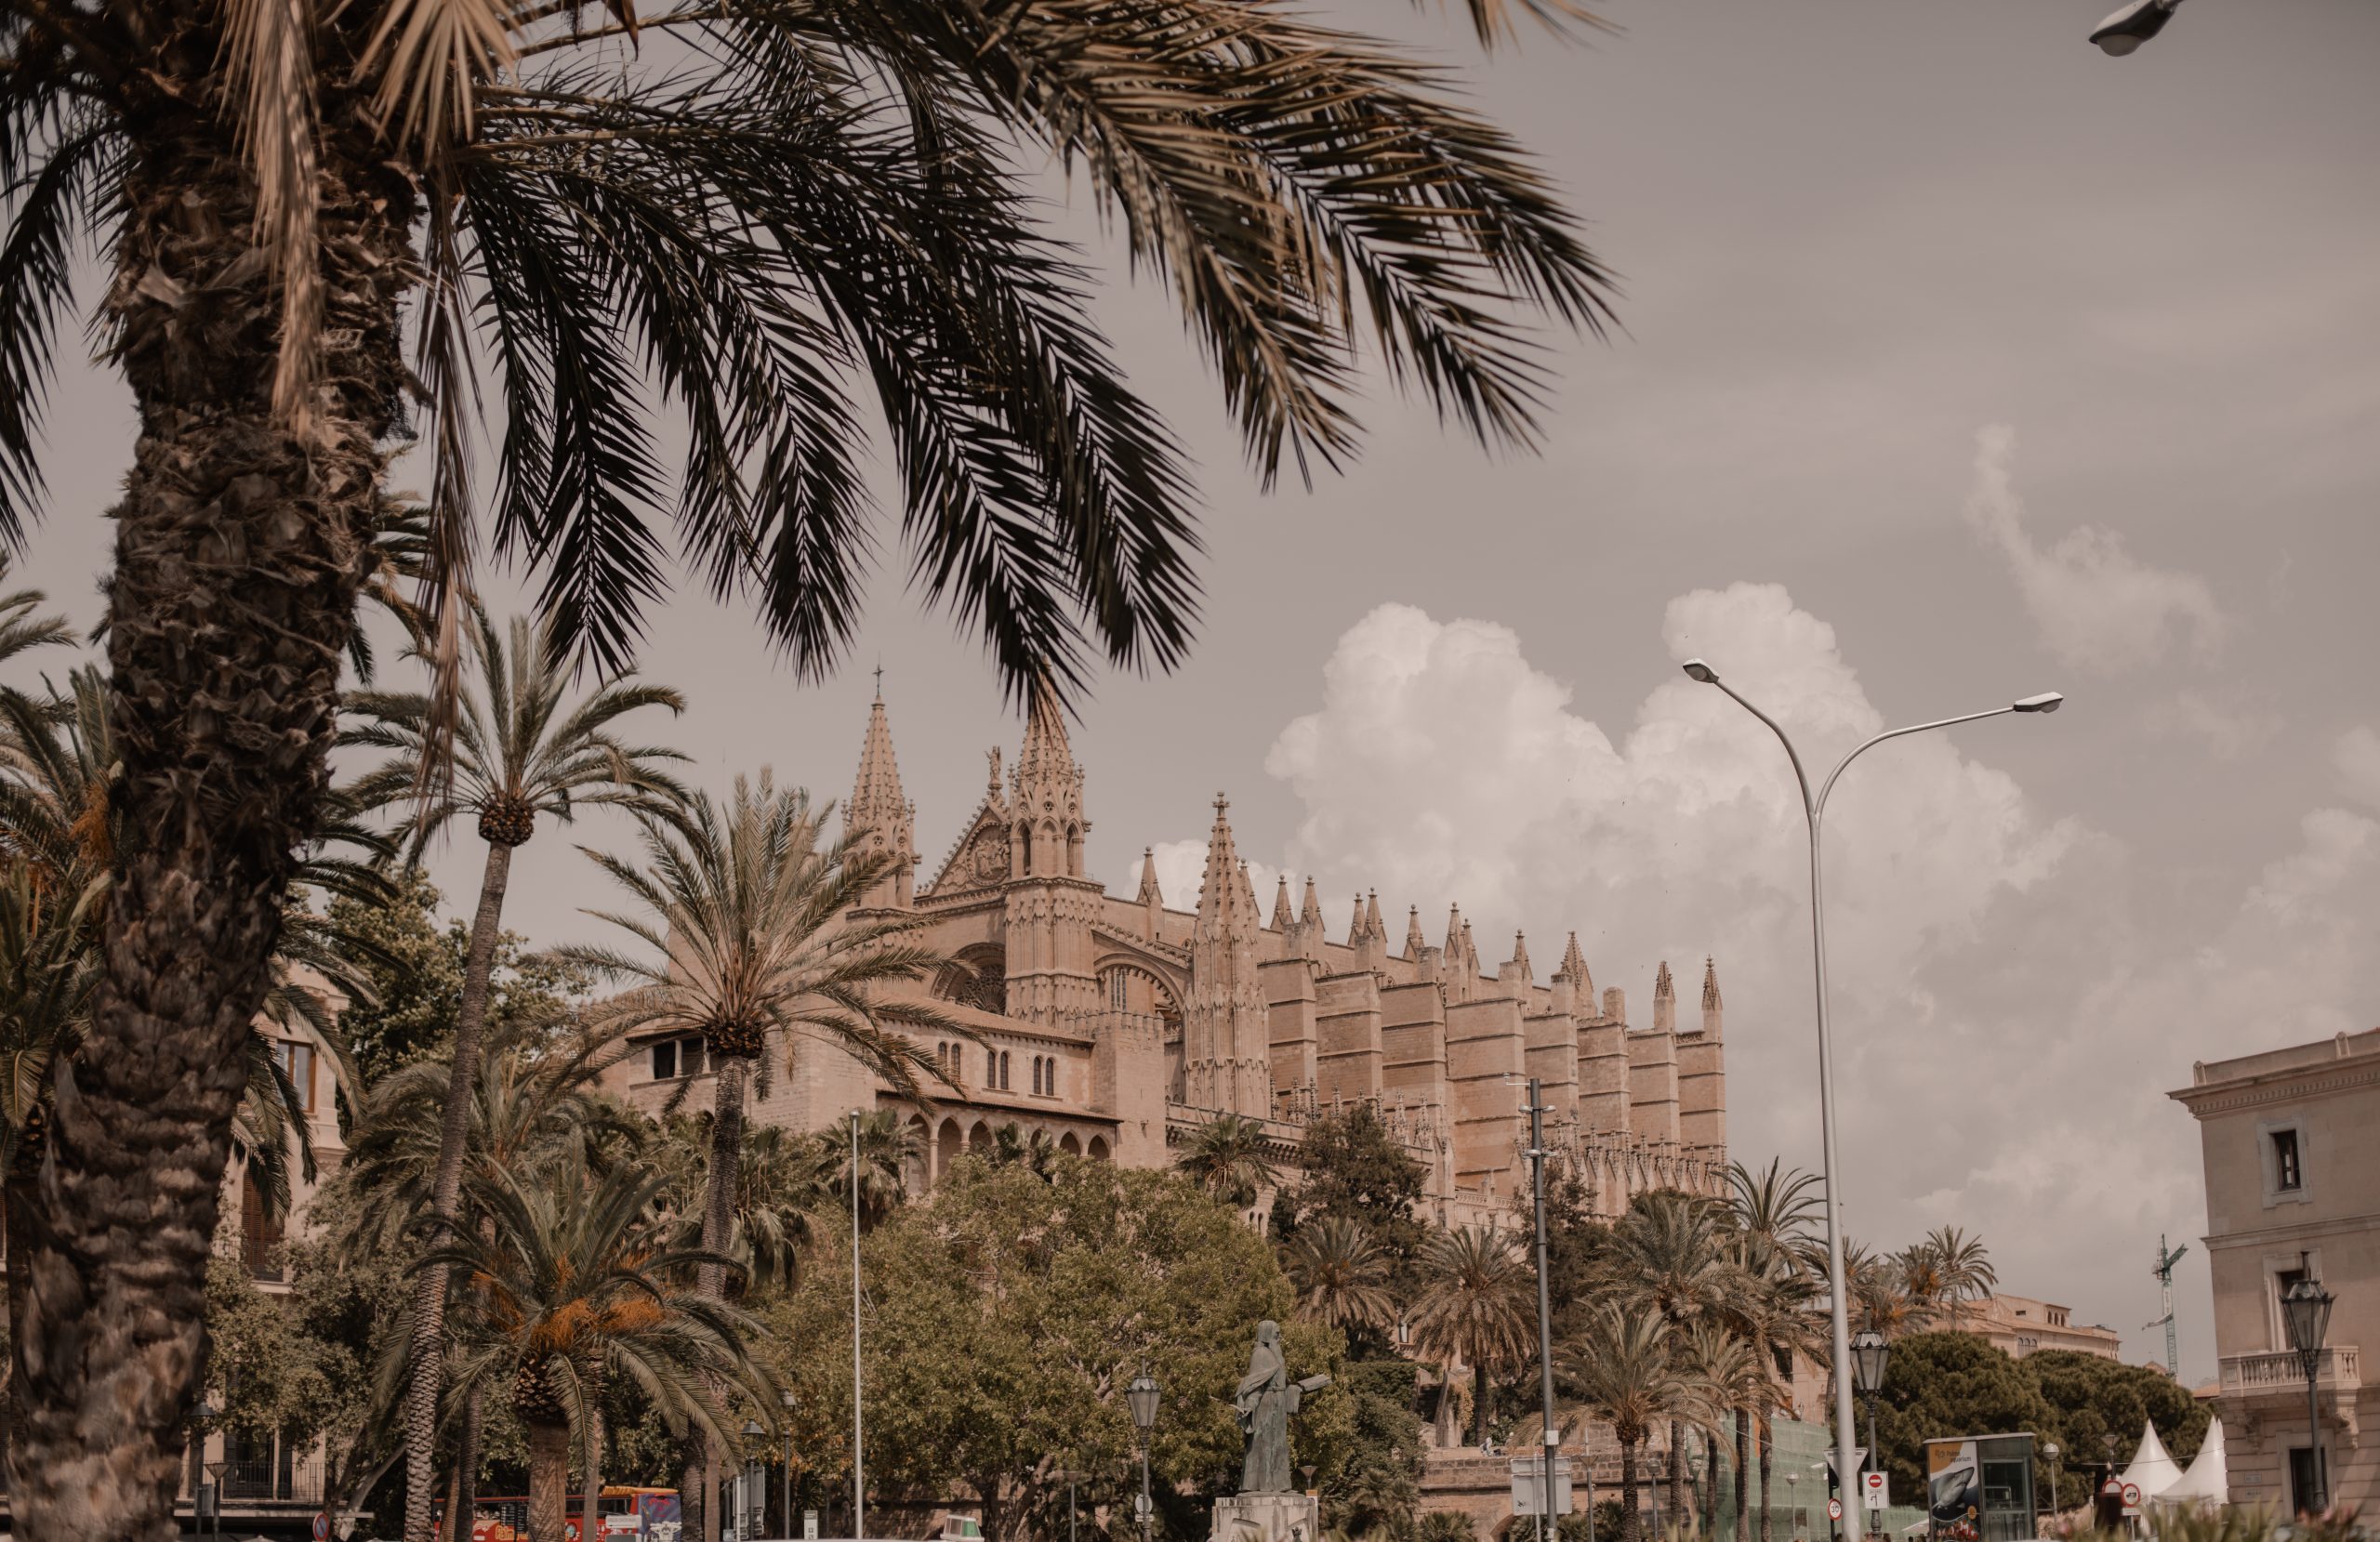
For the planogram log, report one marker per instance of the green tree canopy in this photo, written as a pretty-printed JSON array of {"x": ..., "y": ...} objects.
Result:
[
  {"x": 1355, "y": 1169},
  {"x": 1020, "y": 1306}
]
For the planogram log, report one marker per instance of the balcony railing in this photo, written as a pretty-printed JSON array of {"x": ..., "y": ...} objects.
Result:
[{"x": 2275, "y": 1372}]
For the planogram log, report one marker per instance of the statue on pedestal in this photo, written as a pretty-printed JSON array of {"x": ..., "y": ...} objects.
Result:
[{"x": 1265, "y": 1399}]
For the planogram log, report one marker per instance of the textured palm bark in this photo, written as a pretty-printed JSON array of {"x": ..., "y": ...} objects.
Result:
[
  {"x": 1479, "y": 1400},
  {"x": 1743, "y": 1467},
  {"x": 238, "y": 541},
  {"x": 1765, "y": 1451},
  {"x": 1631, "y": 1529},
  {"x": 590, "y": 1505},
  {"x": 1677, "y": 1468},
  {"x": 463, "y": 1485},
  {"x": 549, "y": 1482},
  {"x": 426, "y": 1354},
  {"x": 719, "y": 1228}
]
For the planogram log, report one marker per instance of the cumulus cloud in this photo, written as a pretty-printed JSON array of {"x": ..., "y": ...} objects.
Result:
[
  {"x": 2230, "y": 730},
  {"x": 2011, "y": 1002},
  {"x": 1182, "y": 869},
  {"x": 2098, "y": 607}
]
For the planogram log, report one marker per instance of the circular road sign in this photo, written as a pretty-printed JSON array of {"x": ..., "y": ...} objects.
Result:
[
  {"x": 2111, "y": 1488},
  {"x": 2132, "y": 1494},
  {"x": 321, "y": 1526},
  {"x": 1834, "y": 1509}
]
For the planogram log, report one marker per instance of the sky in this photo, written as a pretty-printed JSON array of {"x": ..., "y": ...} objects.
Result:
[{"x": 1958, "y": 361}]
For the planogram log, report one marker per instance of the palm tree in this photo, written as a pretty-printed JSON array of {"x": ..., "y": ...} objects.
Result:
[
  {"x": 1776, "y": 1214},
  {"x": 748, "y": 919},
  {"x": 780, "y": 1189},
  {"x": 1965, "y": 1266},
  {"x": 1620, "y": 1366},
  {"x": 1670, "y": 1254},
  {"x": 1879, "y": 1299},
  {"x": 1341, "y": 1275},
  {"x": 888, "y": 1151},
  {"x": 521, "y": 748},
  {"x": 1477, "y": 1305},
  {"x": 1730, "y": 1381},
  {"x": 1230, "y": 1158},
  {"x": 314, "y": 212},
  {"x": 1923, "y": 1284},
  {"x": 575, "y": 1282}
]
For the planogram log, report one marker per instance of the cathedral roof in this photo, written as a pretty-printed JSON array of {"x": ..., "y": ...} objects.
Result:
[{"x": 877, "y": 798}]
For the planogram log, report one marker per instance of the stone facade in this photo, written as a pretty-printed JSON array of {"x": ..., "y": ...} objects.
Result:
[
  {"x": 2292, "y": 1145},
  {"x": 1116, "y": 1026},
  {"x": 2021, "y": 1325}
]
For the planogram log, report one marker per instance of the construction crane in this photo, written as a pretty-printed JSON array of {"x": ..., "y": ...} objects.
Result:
[{"x": 2166, "y": 1259}]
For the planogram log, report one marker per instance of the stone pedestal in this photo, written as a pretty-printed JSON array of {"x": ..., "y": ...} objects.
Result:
[{"x": 1267, "y": 1517}]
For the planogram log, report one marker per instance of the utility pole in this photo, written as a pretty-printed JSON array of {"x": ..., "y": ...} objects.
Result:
[
  {"x": 1550, "y": 1441},
  {"x": 2166, "y": 1259}
]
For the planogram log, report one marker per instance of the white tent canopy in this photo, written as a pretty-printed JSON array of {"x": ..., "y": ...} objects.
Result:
[
  {"x": 2152, "y": 1467},
  {"x": 2208, "y": 1480}
]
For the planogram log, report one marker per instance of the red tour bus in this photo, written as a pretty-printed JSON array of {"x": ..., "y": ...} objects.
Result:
[{"x": 627, "y": 1514}]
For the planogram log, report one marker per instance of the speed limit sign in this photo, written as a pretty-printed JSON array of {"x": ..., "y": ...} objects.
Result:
[{"x": 1834, "y": 1509}]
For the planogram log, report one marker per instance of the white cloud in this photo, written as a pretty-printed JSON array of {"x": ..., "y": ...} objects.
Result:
[
  {"x": 1182, "y": 871},
  {"x": 2229, "y": 732},
  {"x": 2356, "y": 758},
  {"x": 2010, "y": 1006},
  {"x": 2098, "y": 606}
]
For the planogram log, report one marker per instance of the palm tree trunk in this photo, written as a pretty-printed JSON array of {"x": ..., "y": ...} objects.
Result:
[
  {"x": 1743, "y": 1472},
  {"x": 1766, "y": 1452},
  {"x": 425, "y": 1357},
  {"x": 590, "y": 1507},
  {"x": 1630, "y": 1528},
  {"x": 465, "y": 1486},
  {"x": 1677, "y": 1468},
  {"x": 1479, "y": 1401},
  {"x": 230, "y": 609},
  {"x": 719, "y": 1229},
  {"x": 549, "y": 1482}
]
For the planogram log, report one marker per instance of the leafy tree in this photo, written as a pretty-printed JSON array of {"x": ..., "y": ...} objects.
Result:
[
  {"x": 1342, "y": 1276},
  {"x": 1230, "y": 1158},
  {"x": 1356, "y": 1170},
  {"x": 415, "y": 968},
  {"x": 1941, "y": 1384},
  {"x": 1578, "y": 1245},
  {"x": 1006, "y": 1318},
  {"x": 780, "y": 1192},
  {"x": 1379, "y": 1482},
  {"x": 2092, "y": 1398}
]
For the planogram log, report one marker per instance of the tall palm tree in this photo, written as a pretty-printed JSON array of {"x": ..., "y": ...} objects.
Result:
[
  {"x": 1925, "y": 1283},
  {"x": 1724, "y": 1368},
  {"x": 1879, "y": 1299},
  {"x": 888, "y": 1151},
  {"x": 780, "y": 1189},
  {"x": 1342, "y": 1274},
  {"x": 748, "y": 926},
  {"x": 575, "y": 1283},
  {"x": 1622, "y": 1366},
  {"x": 522, "y": 746},
  {"x": 1231, "y": 1158},
  {"x": 1670, "y": 1254},
  {"x": 1477, "y": 1305},
  {"x": 314, "y": 214},
  {"x": 1965, "y": 1268}
]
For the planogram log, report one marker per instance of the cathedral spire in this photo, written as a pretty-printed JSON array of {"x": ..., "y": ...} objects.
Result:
[
  {"x": 1227, "y": 1049},
  {"x": 1414, "y": 943},
  {"x": 1520, "y": 958},
  {"x": 1048, "y": 782},
  {"x": 1356, "y": 925},
  {"x": 1372, "y": 926},
  {"x": 1664, "y": 1001},
  {"x": 1150, "y": 893},
  {"x": 1284, "y": 919},
  {"x": 1712, "y": 1007},
  {"x": 879, "y": 806}
]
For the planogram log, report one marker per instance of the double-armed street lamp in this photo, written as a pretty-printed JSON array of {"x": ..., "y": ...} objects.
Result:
[
  {"x": 1814, "y": 811},
  {"x": 2306, "y": 1311},
  {"x": 1142, "y": 1396},
  {"x": 1869, "y": 1354}
]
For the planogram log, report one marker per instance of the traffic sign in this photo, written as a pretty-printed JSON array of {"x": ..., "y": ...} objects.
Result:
[
  {"x": 1528, "y": 1485},
  {"x": 1859, "y": 1457},
  {"x": 2132, "y": 1499},
  {"x": 323, "y": 1527},
  {"x": 2111, "y": 1488},
  {"x": 1834, "y": 1509},
  {"x": 1874, "y": 1490}
]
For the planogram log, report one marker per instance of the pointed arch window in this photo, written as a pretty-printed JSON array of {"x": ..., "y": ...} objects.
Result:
[{"x": 999, "y": 1077}]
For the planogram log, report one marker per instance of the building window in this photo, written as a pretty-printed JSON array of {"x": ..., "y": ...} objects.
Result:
[
  {"x": 2288, "y": 1173},
  {"x": 259, "y": 1231},
  {"x": 297, "y": 1063},
  {"x": 1117, "y": 987},
  {"x": 665, "y": 1060},
  {"x": 1003, "y": 1082}
]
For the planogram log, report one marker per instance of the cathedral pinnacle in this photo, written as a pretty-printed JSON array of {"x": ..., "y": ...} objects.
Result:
[
  {"x": 1664, "y": 1001},
  {"x": 1356, "y": 925},
  {"x": 1372, "y": 926},
  {"x": 1520, "y": 956},
  {"x": 879, "y": 806},
  {"x": 1150, "y": 893},
  {"x": 1284, "y": 919},
  {"x": 1413, "y": 940},
  {"x": 1311, "y": 912},
  {"x": 1713, "y": 1008}
]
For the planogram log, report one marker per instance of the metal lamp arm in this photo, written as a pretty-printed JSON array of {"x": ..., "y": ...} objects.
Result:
[
  {"x": 1791, "y": 753},
  {"x": 1818, "y": 809}
]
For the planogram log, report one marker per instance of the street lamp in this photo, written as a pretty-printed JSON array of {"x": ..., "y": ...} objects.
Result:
[
  {"x": 2305, "y": 1309},
  {"x": 1142, "y": 1397},
  {"x": 785, "y": 1397},
  {"x": 1813, "y": 810},
  {"x": 1869, "y": 1354},
  {"x": 756, "y": 1492},
  {"x": 2133, "y": 25},
  {"x": 859, "y": 1472},
  {"x": 2050, "y": 1451},
  {"x": 1071, "y": 1478}
]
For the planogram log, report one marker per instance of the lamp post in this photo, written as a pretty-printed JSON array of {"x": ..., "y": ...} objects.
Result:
[
  {"x": 1551, "y": 1438},
  {"x": 756, "y": 1491},
  {"x": 859, "y": 1475},
  {"x": 216, "y": 1471},
  {"x": 1814, "y": 811},
  {"x": 785, "y": 1397},
  {"x": 2133, "y": 25},
  {"x": 1792, "y": 1502},
  {"x": 1869, "y": 1355},
  {"x": 1071, "y": 1476},
  {"x": 2050, "y": 1451},
  {"x": 2305, "y": 1309},
  {"x": 1142, "y": 1396}
]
